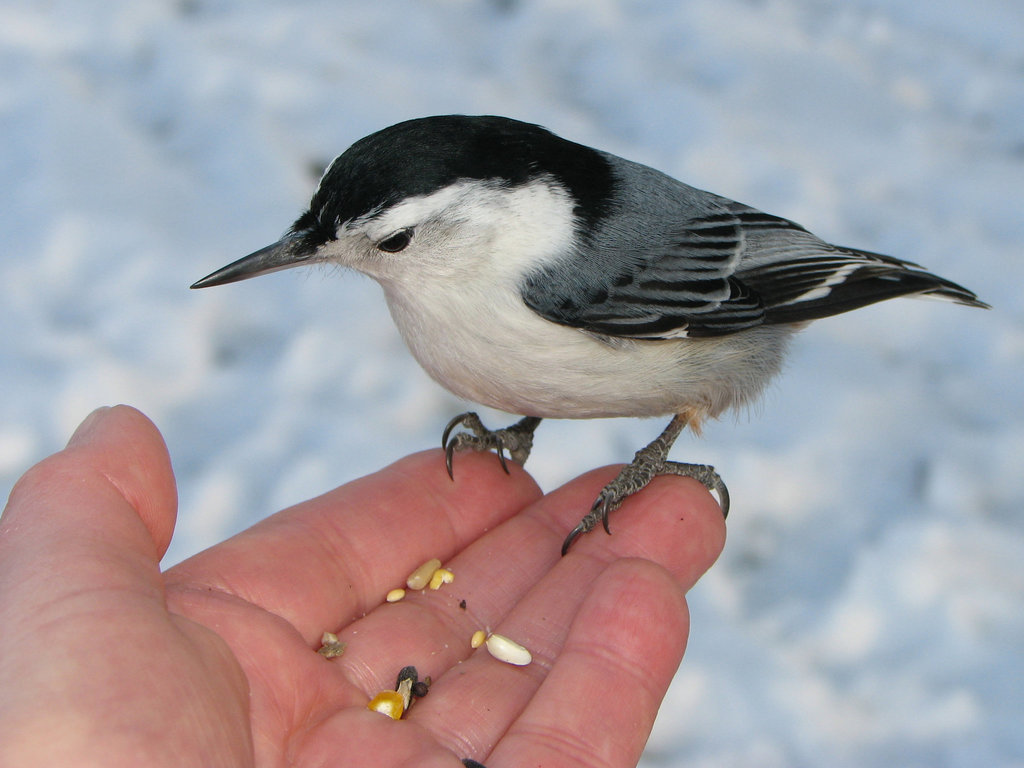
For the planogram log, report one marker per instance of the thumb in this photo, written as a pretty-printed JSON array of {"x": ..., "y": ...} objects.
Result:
[
  {"x": 106, "y": 501},
  {"x": 127, "y": 449}
]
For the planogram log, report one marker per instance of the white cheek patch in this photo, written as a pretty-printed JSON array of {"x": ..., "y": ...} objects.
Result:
[{"x": 508, "y": 228}]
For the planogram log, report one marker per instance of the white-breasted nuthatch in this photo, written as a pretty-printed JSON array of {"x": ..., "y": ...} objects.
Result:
[{"x": 546, "y": 278}]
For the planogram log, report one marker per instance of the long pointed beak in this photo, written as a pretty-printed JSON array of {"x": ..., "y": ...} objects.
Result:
[{"x": 283, "y": 254}]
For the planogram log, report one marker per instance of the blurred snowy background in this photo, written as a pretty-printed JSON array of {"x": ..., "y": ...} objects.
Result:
[{"x": 869, "y": 607}]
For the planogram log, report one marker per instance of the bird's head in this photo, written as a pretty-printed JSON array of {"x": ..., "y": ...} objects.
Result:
[{"x": 441, "y": 197}]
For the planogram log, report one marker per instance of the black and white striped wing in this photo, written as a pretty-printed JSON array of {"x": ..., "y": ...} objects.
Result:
[
  {"x": 731, "y": 271},
  {"x": 800, "y": 277},
  {"x": 667, "y": 291}
]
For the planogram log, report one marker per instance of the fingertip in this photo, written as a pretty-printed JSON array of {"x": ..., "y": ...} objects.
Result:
[
  {"x": 137, "y": 462},
  {"x": 698, "y": 510},
  {"x": 690, "y": 521},
  {"x": 86, "y": 431},
  {"x": 125, "y": 448}
]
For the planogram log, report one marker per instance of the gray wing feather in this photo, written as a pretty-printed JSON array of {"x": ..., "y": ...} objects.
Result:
[{"x": 730, "y": 268}]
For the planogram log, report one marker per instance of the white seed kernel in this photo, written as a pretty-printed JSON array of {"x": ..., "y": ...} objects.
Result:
[
  {"x": 509, "y": 651},
  {"x": 419, "y": 578},
  {"x": 405, "y": 691}
]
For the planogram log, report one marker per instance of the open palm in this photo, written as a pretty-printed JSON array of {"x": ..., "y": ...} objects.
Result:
[{"x": 213, "y": 662}]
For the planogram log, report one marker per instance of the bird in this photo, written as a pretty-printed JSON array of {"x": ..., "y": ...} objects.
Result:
[{"x": 549, "y": 279}]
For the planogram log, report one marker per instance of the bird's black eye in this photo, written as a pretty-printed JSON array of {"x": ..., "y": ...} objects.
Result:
[{"x": 396, "y": 242}]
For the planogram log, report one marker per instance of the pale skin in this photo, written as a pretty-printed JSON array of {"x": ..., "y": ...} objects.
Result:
[{"x": 106, "y": 660}]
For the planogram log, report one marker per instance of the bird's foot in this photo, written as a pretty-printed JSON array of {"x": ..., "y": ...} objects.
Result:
[
  {"x": 516, "y": 440},
  {"x": 646, "y": 465}
]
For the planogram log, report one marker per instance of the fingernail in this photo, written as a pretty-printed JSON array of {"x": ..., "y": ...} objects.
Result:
[{"x": 85, "y": 430}]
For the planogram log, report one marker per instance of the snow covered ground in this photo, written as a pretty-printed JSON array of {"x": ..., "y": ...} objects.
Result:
[{"x": 869, "y": 607}]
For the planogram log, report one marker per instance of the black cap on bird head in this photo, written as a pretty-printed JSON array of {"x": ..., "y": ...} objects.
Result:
[{"x": 418, "y": 157}]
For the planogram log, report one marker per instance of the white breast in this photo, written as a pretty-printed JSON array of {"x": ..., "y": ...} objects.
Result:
[{"x": 498, "y": 352}]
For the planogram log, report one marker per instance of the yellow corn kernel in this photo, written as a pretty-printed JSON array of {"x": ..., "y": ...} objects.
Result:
[
  {"x": 388, "y": 703},
  {"x": 441, "y": 576}
]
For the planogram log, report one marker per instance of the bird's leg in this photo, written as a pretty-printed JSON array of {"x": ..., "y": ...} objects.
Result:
[
  {"x": 517, "y": 439},
  {"x": 648, "y": 463}
]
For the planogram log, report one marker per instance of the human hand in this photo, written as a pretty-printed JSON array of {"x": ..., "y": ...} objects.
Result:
[{"x": 106, "y": 660}]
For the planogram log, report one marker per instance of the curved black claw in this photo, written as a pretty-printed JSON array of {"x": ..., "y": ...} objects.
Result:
[
  {"x": 723, "y": 496},
  {"x": 449, "y": 447},
  {"x": 706, "y": 475},
  {"x": 599, "y": 511},
  {"x": 467, "y": 416},
  {"x": 448, "y": 453},
  {"x": 601, "y": 508},
  {"x": 516, "y": 440},
  {"x": 606, "y": 508},
  {"x": 573, "y": 535},
  {"x": 500, "y": 450}
]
